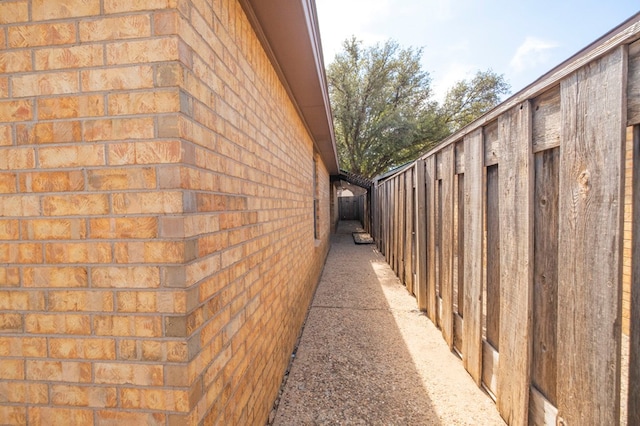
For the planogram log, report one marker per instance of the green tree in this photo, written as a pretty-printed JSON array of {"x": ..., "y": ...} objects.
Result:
[
  {"x": 467, "y": 100},
  {"x": 378, "y": 95},
  {"x": 383, "y": 112}
]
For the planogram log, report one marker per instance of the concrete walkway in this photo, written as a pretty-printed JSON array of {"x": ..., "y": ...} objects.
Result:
[{"x": 368, "y": 356}]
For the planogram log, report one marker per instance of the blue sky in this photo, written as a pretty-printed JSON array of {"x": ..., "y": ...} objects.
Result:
[{"x": 521, "y": 39}]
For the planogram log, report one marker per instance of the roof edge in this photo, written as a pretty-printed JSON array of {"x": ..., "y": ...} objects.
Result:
[{"x": 289, "y": 33}]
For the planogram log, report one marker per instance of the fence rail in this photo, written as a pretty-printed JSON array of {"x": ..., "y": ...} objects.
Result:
[{"x": 510, "y": 235}]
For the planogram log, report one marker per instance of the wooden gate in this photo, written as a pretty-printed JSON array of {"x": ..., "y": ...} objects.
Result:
[{"x": 348, "y": 208}]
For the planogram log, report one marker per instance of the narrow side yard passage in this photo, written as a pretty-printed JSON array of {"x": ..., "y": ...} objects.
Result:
[{"x": 368, "y": 356}]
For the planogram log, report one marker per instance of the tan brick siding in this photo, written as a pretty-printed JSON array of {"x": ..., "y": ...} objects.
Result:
[{"x": 157, "y": 250}]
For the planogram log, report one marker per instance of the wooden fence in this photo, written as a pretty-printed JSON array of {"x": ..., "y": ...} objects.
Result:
[
  {"x": 509, "y": 233},
  {"x": 353, "y": 208}
]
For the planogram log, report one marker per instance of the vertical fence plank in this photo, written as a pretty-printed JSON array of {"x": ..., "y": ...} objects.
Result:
[
  {"x": 516, "y": 255},
  {"x": 492, "y": 255},
  {"x": 460, "y": 239},
  {"x": 633, "y": 417},
  {"x": 430, "y": 179},
  {"x": 381, "y": 202},
  {"x": 385, "y": 218},
  {"x": 633, "y": 88},
  {"x": 491, "y": 278},
  {"x": 458, "y": 260},
  {"x": 545, "y": 281},
  {"x": 473, "y": 207},
  {"x": 446, "y": 283},
  {"x": 401, "y": 227},
  {"x": 381, "y": 188},
  {"x": 421, "y": 237},
  {"x": 387, "y": 248},
  {"x": 394, "y": 218},
  {"x": 590, "y": 243},
  {"x": 392, "y": 223},
  {"x": 399, "y": 230},
  {"x": 408, "y": 243}
]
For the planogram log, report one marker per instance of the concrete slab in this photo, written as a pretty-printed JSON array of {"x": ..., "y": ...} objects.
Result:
[
  {"x": 362, "y": 238},
  {"x": 368, "y": 356}
]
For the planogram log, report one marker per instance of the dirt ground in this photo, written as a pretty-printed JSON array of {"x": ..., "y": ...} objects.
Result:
[{"x": 367, "y": 355}]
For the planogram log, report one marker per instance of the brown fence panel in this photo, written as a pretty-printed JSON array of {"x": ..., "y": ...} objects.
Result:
[
  {"x": 545, "y": 283},
  {"x": 516, "y": 268},
  {"x": 510, "y": 234},
  {"x": 409, "y": 229},
  {"x": 421, "y": 236},
  {"x": 447, "y": 243},
  {"x": 591, "y": 218},
  {"x": 634, "y": 349},
  {"x": 544, "y": 371},
  {"x": 430, "y": 191},
  {"x": 402, "y": 213},
  {"x": 393, "y": 215},
  {"x": 472, "y": 247},
  {"x": 458, "y": 264}
]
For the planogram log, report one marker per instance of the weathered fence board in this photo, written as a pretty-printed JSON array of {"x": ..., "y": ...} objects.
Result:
[
  {"x": 472, "y": 248},
  {"x": 541, "y": 411},
  {"x": 460, "y": 207},
  {"x": 590, "y": 236},
  {"x": 545, "y": 281},
  {"x": 401, "y": 235},
  {"x": 546, "y": 120},
  {"x": 492, "y": 260},
  {"x": 421, "y": 236},
  {"x": 430, "y": 175},
  {"x": 394, "y": 224},
  {"x": 491, "y": 144},
  {"x": 458, "y": 265},
  {"x": 446, "y": 248},
  {"x": 633, "y": 406},
  {"x": 633, "y": 89},
  {"x": 516, "y": 255},
  {"x": 408, "y": 228},
  {"x": 457, "y": 333},
  {"x": 460, "y": 163},
  {"x": 490, "y": 364}
]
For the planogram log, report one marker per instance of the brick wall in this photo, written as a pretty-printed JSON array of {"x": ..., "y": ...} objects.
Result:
[{"x": 157, "y": 250}]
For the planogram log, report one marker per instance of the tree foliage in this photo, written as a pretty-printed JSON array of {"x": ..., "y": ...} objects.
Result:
[
  {"x": 384, "y": 114},
  {"x": 377, "y": 95},
  {"x": 468, "y": 100}
]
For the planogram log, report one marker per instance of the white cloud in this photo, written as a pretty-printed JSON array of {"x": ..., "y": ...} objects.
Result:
[
  {"x": 531, "y": 53},
  {"x": 453, "y": 73},
  {"x": 340, "y": 19},
  {"x": 444, "y": 10}
]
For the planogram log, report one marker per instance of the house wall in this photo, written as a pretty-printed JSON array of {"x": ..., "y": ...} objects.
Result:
[{"x": 157, "y": 250}]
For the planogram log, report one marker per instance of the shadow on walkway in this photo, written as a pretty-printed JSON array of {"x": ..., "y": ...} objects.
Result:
[{"x": 368, "y": 356}]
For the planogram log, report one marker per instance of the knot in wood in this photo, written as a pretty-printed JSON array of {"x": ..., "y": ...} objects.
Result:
[{"x": 584, "y": 180}]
